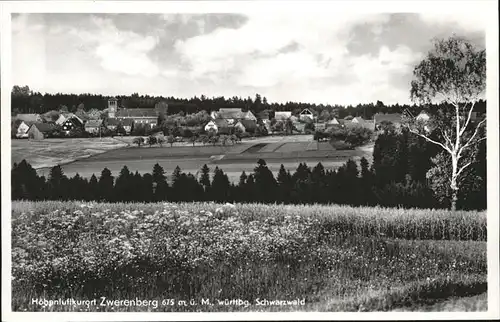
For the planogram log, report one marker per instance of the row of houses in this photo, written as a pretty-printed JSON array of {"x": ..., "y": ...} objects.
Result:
[
  {"x": 37, "y": 126},
  {"x": 227, "y": 119},
  {"x": 233, "y": 118}
]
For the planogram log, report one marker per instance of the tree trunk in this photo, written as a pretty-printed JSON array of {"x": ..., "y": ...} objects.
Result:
[
  {"x": 454, "y": 185},
  {"x": 454, "y": 198}
]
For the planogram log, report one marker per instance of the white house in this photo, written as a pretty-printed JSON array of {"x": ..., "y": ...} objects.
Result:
[
  {"x": 211, "y": 126},
  {"x": 306, "y": 113},
  {"x": 423, "y": 116},
  {"x": 22, "y": 129}
]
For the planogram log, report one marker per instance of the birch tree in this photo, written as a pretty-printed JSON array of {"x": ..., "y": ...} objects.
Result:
[{"x": 453, "y": 74}]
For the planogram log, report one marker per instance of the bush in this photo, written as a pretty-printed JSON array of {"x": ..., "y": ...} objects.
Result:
[
  {"x": 353, "y": 135},
  {"x": 358, "y": 135}
]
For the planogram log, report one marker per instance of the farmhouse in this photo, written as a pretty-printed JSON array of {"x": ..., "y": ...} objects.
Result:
[
  {"x": 72, "y": 123},
  {"x": 211, "y": 126},
  {"x": 335, "y": 122},
  {"x": 93, "y": 126},
  {"x": 359, "y": 121},
  {"x": 307, "y": 114},
  {"x": 232, "y": 115},
  {"x": 39, "y": 131},
  {"x": 282, "y": 115},
  {"x": 22, "y": 129},
  {"x": 29, "y": 117}
]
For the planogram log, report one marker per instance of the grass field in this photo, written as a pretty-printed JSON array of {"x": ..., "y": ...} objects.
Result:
[
  {"x": 49, "y": 152},
  {"x": 232, "y": 159},
  {"x": 330, "y": 258}
]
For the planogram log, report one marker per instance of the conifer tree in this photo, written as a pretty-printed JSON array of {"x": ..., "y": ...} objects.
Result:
[
  {"x": 106, "y": 184},
  {"x": 250, "y": 189},
  {"x": 147, "y": 187},
  {"x": 159, "y": 183},
  {"x": 242, "y": 188},
  {"x": 176, "y": 193},
  {"x": 318, "y": 184},
  {"x": 220, "y": 186},
  {"x": 93, "y": 188},
  {"x": 284, "y": 180},
  {"x": 58, "y": 184},
  {"x": 265, "y": 183},
  {"x": 205, "y": 181},
  {"x": 365, "y": 183},
  {"x": 25, "y": 182},
  {"x": 124, "y": 190}
]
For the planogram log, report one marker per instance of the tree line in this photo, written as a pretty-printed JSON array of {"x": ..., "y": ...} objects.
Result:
[
  {"x": 24, "y": 100},
  {"x": 402, "y": 174}
]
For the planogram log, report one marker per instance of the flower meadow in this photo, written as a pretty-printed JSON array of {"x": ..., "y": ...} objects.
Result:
[{"x": 232, "y": 257}]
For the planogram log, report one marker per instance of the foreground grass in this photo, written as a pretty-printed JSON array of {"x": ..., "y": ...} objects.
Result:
[
  {"x": 331, "y": 258},
  {"x": 366, "y": 221}
]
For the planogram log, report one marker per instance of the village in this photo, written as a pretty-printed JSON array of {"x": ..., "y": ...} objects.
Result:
[{"x": 117, "y": 120}]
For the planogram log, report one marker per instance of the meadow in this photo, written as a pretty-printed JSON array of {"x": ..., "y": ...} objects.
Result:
[
  {"x": 49, "y": 152},
  {"x": 77, "y": 157},
  {"x": 320, "y": 258}
]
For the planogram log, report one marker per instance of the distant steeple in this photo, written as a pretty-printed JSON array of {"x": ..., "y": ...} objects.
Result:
[{"x": 112, "y": 107}]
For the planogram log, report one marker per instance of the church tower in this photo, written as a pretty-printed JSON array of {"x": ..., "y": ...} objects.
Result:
[{"x": 112, "y": 107}]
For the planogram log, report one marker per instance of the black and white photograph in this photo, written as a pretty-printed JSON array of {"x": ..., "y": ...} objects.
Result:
[{"x": 217, "y": 157}]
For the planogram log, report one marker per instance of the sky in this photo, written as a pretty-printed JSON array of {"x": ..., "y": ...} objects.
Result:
[{"x": 322, "y": 58}]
